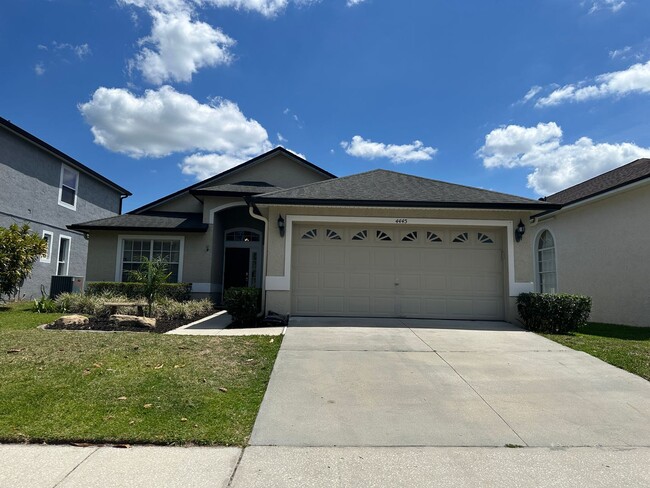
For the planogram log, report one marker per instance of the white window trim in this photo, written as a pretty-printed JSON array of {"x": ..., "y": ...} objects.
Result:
[
  {"x": 67, "y": 258},
  {"x": 50, "y": 245},
  {"x": 283, "y": 283},
  {"x": 538, "y": 285},
  {"x": 76, "y": 190},
  {"x": 120, "y": 248}
]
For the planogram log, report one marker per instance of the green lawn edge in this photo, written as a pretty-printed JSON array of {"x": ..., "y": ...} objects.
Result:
[
  {"x": 128, "y": 388},
  {"x": 623, "y": 346}
]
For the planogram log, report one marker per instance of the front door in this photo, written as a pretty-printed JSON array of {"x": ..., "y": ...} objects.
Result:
[{"x": 236, "y": 267}]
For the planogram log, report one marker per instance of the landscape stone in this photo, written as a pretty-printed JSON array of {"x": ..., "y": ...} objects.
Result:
[
  {"x": 74, "y": 320},
  {"x": 132, "y": 321}
]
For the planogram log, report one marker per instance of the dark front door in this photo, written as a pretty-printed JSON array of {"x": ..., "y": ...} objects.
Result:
[{"x": 236, "y": 267}]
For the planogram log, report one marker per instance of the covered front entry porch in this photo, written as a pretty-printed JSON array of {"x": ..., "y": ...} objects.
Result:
[{"x": 237, "y": 249}]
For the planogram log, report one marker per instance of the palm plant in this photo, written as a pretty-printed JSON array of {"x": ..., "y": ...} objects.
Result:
[{"x": 152, "y": 274}]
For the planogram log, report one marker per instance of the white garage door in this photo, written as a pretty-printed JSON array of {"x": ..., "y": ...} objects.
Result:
[{"x": 395, "y": 271}]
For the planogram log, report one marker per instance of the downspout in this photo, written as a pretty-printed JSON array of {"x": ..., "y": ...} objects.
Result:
[{"x": 256, "y": 214}]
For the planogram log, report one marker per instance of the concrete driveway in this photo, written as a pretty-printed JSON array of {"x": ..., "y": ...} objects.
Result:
[{"x": 390, "y": 382}]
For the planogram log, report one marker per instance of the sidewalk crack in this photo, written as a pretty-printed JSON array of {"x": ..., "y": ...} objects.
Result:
[{"x": 94, "y": 450}]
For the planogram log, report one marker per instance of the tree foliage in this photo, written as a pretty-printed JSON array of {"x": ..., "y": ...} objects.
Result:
[
  {"x": 152, "y": 275},
  {"x": 19, "y": 250}
]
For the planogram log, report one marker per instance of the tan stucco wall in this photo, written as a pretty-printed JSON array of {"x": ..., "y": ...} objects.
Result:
[
  {"x": 278, "y": 171},
  {"x": 279, "y": 301},
  {"x": 182, "y": 203},
  {"x": 102, "y": 249},
  {"x": 602, "y": 251},
  {"x": 102, "y": 253}
]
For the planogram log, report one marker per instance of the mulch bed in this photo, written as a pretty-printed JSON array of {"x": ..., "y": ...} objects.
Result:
[{"x": 95, "y": 323}]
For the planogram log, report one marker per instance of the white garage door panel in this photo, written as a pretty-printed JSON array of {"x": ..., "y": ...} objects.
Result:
[{"x": 411, "y": 275}]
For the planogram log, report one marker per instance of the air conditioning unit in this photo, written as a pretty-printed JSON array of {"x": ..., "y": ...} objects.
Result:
[{"x": 66, "y": 284}]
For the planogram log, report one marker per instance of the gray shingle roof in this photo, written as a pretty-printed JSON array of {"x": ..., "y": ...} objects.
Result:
[
  {"x": 152, "y": 221},
  {"x": 240, "y": 188},
  {"x": 388, "y": 188},
  {"x": 616, "y": 178}
]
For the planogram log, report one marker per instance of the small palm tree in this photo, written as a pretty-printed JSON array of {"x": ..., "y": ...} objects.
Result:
[{"x": 153, "y": 275}]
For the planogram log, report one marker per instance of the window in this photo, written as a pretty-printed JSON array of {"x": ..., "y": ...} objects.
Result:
[
  {"x": 433, "y": 237},
  {"x": 310, "y": 234},
  {"x": 47, "y": 257},
  {"x": 133, "y": 250},
  {"x": 484, "y": 238},
  {"x": 63, "y": 258},
  {"x": 360, "y": 236},
  {"x": 547, "y": 277},
  {"x": 410, "y": 237},
  {"x": 332, "y": 235},
  {"x": 463, "y": 237},
  {"x": 242, "y": 236},
  {"x": 382, "y": 236},
  {"x": 68, "y": 188}
]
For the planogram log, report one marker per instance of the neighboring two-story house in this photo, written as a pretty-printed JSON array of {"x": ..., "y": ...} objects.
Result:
[{"x": 48, "y": 190}]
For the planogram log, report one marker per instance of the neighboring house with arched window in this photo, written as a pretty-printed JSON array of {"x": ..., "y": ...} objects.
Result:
[
  {"x": 375, "y": 244},
  {"x": 598, "y": 244}
]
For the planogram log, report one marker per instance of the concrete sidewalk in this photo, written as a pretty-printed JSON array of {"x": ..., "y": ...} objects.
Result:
[
  {"x": 37, "y": 466},
  {"x": 217, "y": 325}
]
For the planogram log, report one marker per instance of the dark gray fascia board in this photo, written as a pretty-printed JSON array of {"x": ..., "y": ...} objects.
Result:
[
  {"x": 89, "y": 228},
  {"x": 402, "y": 204}
]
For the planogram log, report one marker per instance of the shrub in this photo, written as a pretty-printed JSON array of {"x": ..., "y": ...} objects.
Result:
[
  {"x": 553, "y": 313},
  {"x": 164, "y": 308},
  {"x": 91, "y": 304},
  {"x": 243, "y": 304},
  {"x": 168, "y": 309},
  {"x": 20, "y": 248},
  {"x": 44, "y": 305},
  {"x": 133, "y": 291}
]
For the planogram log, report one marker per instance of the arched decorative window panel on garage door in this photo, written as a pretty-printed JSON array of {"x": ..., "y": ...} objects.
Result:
[{"x": 546, "y": 272}]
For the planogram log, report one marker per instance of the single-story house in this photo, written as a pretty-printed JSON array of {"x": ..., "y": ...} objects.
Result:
[{"x": 375, "y": 244}]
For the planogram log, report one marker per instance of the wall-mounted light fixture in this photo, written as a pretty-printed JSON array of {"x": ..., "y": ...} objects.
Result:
[
  {"x": 281, "y": 225},
  {"x": 520, "y": 231}
]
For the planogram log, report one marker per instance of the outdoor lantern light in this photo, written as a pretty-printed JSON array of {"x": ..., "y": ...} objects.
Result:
[
  {"x": 281, "y": 226},
  {"x": 520, "y": 231}
]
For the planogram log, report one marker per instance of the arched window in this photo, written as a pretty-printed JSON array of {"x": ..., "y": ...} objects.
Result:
[{"x": 546, "y": 274}]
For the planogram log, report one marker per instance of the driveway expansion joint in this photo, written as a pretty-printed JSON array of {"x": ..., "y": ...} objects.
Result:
[{"x": 484, "y": 400}]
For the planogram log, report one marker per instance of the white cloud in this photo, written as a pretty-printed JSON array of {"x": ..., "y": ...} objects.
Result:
[
  {"x": 181, "y": 46},
  {"x": 39, "y": 69},
  {"x": 635, "y": 79},
  {"x": 79, "y": 50},
  {"x": 203, "y": 166},
  {"x": 352, "y": 3},
  {"x": 281, "y": 138},
  {"x": 163, "y": 121},
  {"x": 555, "y": 165},
  {"x": 268, "y": 8},
  {"x": 366, "y": 149},
  {"x": 620, "y": 53},
  {"x": 613, "y": 5},
  {"x": 530, "y": 94}
]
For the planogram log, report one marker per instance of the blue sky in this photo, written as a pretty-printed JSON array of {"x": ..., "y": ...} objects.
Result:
[{"x": 520, "y": 97}]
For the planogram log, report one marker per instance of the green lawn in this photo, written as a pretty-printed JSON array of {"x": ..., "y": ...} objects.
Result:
[
  {"x": 64, "y": 386},
  {"x": 620, "y": 345}
]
